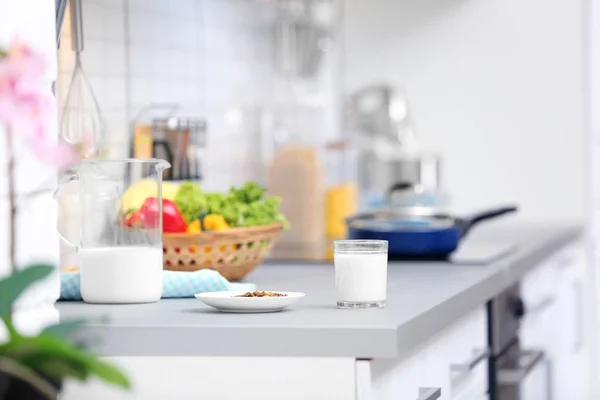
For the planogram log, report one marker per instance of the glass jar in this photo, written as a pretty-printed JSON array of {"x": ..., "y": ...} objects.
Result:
[
  {"x": 296, "y": 175},
  {"x": 341, "y": 193},
  {"x": 302, "y": 116}
]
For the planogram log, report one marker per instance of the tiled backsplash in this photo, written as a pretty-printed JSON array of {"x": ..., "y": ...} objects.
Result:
[{"x": 212, "y": 57}]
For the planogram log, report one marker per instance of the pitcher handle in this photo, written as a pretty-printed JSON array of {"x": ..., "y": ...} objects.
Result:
[{"x": 63, "y": 182}]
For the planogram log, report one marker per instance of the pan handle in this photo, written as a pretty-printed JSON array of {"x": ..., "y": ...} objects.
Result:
[
  {"x": 485, "y": 215},
  {"x": 400, "y": 186}
]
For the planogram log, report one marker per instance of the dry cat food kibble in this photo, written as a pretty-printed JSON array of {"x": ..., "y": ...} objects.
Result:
[{"x": 261, "y": 294}]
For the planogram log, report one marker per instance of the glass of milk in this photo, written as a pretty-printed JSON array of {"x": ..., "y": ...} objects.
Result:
[{"x": 360, "y": 273}]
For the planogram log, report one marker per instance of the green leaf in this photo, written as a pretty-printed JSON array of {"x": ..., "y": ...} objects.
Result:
[
  {"x": 75, "y": 361},
  {"x": 109, "y": 373},
  {"x": 12, "y": 286},
  {"x": 56, "y": 368},
  {"x": 190, "y": 201},
  {"x": 64, "y": 329}
]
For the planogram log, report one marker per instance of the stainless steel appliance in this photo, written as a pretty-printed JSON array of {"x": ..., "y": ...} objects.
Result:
[
  {"x": 406, "y": 181},
  {"x": 180, "y": 141},
  {"x": 389, "y": 156},
  {"x": 511, "y": 364}
]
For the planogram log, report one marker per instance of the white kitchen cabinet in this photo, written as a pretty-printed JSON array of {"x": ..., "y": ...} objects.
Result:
[
  {"x": 224, "y": 378},
  {"x": 458, "y": 357},
  {"x": 395, "y": 379},
  {"x": 554, "y": 295},
  {"x": 455, "y": 360},
  {"x": 538, "y": 290},
  {"x": 469, "y": 357},
  {"x": 570, "y": 348}
]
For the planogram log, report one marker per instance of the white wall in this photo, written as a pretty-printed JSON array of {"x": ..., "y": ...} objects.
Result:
[
  {"x": 496, "y": 86},
  {"x": 593, "y": 147},
  {"x": 212, "y": 57}
]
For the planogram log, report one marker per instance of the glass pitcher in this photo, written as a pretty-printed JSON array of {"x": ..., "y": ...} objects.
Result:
[{"x": 119, "y": 248}]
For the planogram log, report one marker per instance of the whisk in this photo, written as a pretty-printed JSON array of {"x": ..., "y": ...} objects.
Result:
[{"x": 81, "y": 124}]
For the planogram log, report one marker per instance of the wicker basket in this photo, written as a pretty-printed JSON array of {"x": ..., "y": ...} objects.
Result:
[{"x": 233, "y": 252}]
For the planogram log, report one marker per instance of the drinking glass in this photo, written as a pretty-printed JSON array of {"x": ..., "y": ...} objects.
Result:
[{"x": 360, "y": 273}]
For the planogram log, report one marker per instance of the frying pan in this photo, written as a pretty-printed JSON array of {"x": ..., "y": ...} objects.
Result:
[{"x": 418, "y": 232}]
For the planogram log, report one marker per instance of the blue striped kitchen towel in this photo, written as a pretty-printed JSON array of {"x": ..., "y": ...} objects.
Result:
[{"x": 175, "y": 284}]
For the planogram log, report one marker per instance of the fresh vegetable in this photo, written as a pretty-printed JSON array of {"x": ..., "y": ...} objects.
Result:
[
  {"x": 172, "y": 220},
  {"x": 133, "y": 219},
  {"x": 214, "y": 222},
  {"x": 194, "y": 227},
  {"x": 249, "y": 193},
  {"x": 169, "y": 190},
  {"x": 244, "y": 206},
  {"x": 208, "y": 222},
  {"x": 226, "y": 206},
  {"x": 190, "y": 201},
  {"x": 136, "y": 194},
  {"x": 263, "y": 213}
]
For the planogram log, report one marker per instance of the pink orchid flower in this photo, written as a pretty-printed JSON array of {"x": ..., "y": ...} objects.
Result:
[{"x": 26, "y": 104}]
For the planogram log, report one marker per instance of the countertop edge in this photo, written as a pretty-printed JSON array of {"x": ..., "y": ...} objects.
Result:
[
  {"x": 124, "y": 341},
  {"x": 478, "y": 295}
]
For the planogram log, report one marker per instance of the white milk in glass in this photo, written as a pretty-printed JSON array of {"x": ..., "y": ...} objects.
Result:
[
  {"x": 361, "y": 278},
  {"x": 121, "y": 274}
]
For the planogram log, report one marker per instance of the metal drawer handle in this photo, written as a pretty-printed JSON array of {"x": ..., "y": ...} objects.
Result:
[
  {"x": 429, "y": 393},
  {"x": 540, "y": 306},
  {"x": 477, "y": 357},
  {"x": 564, "y": 261},
  {"x": 579, "y": 319},
  {"x": 514, "y": 376}
]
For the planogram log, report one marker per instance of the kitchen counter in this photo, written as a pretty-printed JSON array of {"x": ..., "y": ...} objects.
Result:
[{"x": 423, "y": 298}]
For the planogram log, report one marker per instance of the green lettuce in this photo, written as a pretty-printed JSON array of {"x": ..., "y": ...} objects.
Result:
[
  {"x": 245, "y": 206},
  {"x": 190, "y": 200}
]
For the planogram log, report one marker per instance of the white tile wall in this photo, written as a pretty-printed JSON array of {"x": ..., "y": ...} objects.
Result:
[{"x": 213, "y": 57}]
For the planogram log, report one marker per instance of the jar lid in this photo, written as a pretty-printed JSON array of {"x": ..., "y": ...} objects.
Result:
[
  {"x": 402, "y": 219},
  {"x": 179, "y": 124}
]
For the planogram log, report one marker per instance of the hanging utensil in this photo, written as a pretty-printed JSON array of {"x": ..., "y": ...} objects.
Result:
[
  {"x": 61, "y": 8},
  {"x": 82, "y": 123},
  {"x": 301, "y": 39}
]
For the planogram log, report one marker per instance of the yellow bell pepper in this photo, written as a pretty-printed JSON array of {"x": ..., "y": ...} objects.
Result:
[
  {"x": 214, "y": 222},
  {"x": 136, "y": 194},
  {"x": 194, "y": 227},
  {"x": 211, "y": 222}
]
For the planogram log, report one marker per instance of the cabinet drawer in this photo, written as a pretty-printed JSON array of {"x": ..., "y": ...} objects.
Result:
[
  {"x": 256, "y": 378},
  {"x": 541, "y": 281},
  {"x": 449, "y": 360},
  {"x": 458, "y": 357},
  {"x": 537, "y": 287},
  {"x": 472, "y": 385},
  {"x": 397, "y": 379},
  {"x": 468, "y": 369}
]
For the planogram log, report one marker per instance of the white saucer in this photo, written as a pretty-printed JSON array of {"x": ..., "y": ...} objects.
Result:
[{"x": 227, "y": 302}]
